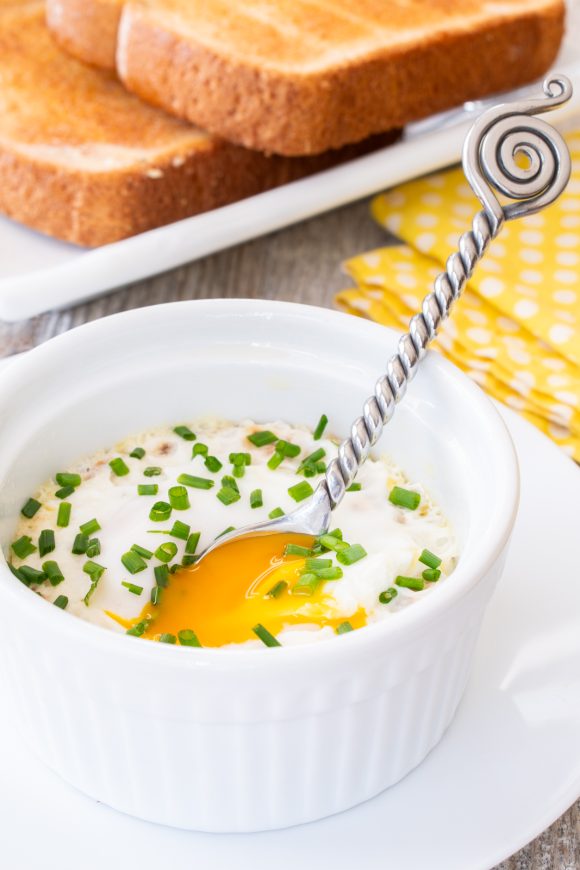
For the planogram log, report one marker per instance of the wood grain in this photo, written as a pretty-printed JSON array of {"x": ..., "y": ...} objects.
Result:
[{"x": 299, "y": 264}]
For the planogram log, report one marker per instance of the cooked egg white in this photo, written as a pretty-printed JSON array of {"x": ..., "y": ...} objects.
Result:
[{"x": 226, "y": 595}]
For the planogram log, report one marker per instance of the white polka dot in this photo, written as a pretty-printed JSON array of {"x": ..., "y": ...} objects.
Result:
[
  {"x": 425, "y": 241},
  {"x": 426, "y": 220},
  {"x": 557, "y": 380},
  {"x": 570, "y": 221},
  {"x": 410, "y": 300},
  {"x": 531, "y": 276},
  {"x": 567, "y": 258},
  {"x": 528, "y": 292},
  {"x": 515, "y": 402},
  {"x": 569, "y": 204},
  {"x": 522, "y": 357},
  {"x": 372, "y": 260},
  {"x": 378, "y": 280},
  {"x": 573, "y": 186},
  {"x": 525, "y": 308},
  {"x": 568, "y": 449},
  {"x": 558, "y": 431},
  {"x": 405, "y": 267},
  {"x": 481, "y": 365},
  {"x": 475, "y": 316},
  {"x": 406, "y": 280},
  {"x": 568, "y": 240},
  {"x": 565, "y": 297},
  {"x": 485, "y": 352},
  {"x": 489, "y": 265},
  {"x": 534, "y": 220},
  {"x": 529, "y": 255},
  {"x": 445, "y": 341},
  {"x": 452, "y": 239},
  {"x": 553, "y": 363},
  {"x": 393, "y": 222},
  {"x": 462, "y": 208},
  {"x": 491, "y": 287},
  {"x": 478, "y": 377},
  {"x": 507, "y": 325},
  {"x": 396, "y": 198},
  {"x": 520, "y": 387},
  {"x": 435, "y": 181},
  {"x": 498, "y": 249},
  {"x": 531, "y": 237},
  {"x": 566, "y": 276},
  {"x": 479, "y": 336},
  {"x": 464, "y": 191},
  {"x": 560, "y": 334},
  {"x": 376, "y": 294},
  {"x": 562, "y": 412},
  {"x": 431, "y": 199},
  {"x": 565, "y": 316},
  {"x": 566, "y": 397}
]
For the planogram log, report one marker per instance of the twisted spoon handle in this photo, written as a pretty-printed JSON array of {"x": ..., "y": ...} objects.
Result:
[{"x": 497, "y": 138}]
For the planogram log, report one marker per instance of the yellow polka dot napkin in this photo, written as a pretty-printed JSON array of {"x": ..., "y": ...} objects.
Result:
[{"x": 516, "y": 329}]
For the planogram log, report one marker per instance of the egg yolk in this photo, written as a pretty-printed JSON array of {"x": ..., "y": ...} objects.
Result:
[{"x": 226, "y": 594}]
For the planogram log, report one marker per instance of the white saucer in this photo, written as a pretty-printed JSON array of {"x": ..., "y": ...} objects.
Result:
[{"x": 506, "y": 769}]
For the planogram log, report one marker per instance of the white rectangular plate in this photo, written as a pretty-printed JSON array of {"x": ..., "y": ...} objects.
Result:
[{"x": 39, "y": 273}]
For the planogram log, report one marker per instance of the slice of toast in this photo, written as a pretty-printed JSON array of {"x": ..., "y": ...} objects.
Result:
[
  {"x": 300, "y": 76},
  {"x": 85, "y": 161}
]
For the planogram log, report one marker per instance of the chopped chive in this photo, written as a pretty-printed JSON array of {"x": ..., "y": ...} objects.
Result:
[
  {"x": 46, "y": 542},
  {"x": 161, "y": 575},
  {"x": 213, "y": 464},
  {"x": 265, "y": 635},
  {"x": 186, "y": 561},
  {"x": 147, "y": 489},
  {"x": 80, "y": 544},
  {"x": 23, "y": 547},
  {"x": 64, "y": 491},
  {"x": 63, "y": 515},
  {"x": 119, "y": 467},
  {"x": 180, "y": 530},
  {"x": 315, "y": 564},
  {"x": 296, "y": 550},
  {"x": 65, "y": 478},
  {"x": 133, "y": 562},
  {"x": 229, "y": 481},
  {"x": 137, "y": 453},
  {"x": 140, "y": 627},
  {"x": 415, "y": 583},
  {"x": 277, "y": 589},
  {"x": 320, "y": 427},
  {"x": 354, "y": 487},
  {"x": 320, "y": 467},
  {"x": 16, "y": 572},
  {"x": 160, "y": 512},
  {"x": 334, "y": 573},
  {"x": 240, "y": 458},
  {"x": 30, "y": 508},
  {"x": 406, "y": 498},
  {"x": 136, "y": 590},
  {"x": 141, "y": 551},
  {"x": 344, "y": 628},
  {"x": 165, "y": 552},
  {"x": 178, "y": 498},
  {"x": 225, "y": 532},
  {"x": 227, "y": 495},
  {"x": 155, "y": 595},
  {"x": 185, "y": 433},
  {"x": 53, "y": 572},
  {"x": 430, "y": 559},
  {"x": 256, "y": 499},
  {"x": 95, "y": 572},
  {"x": 285, "y": 448},
  {"x": 331, "y": 542},
  {"x": 152, "y": 471},
  {"x": 431, "y": 574},
  {"x": 31, "y": 575},
  {"x": 61, "y": 601},
  {"x": 199, "y": 449},
  {"x": 313, "y": 458},
  {"x": 166, "y": 637},
  {"x": 300, "y": 491},
  {"x": 275, "y": 460},
  {"x": 90, "y": 527},
  {"x": 239, "y": 470},
  {"x": 195, "y": 482},
  {"x": 188, "y": 637},
  {"x": 336, "y": 533},
  {"x": 277, "y": 512},
  {"x": 387, "y": 596},
  {"x": 93, "y": 548},
  {"x": 351, "y": 554},
  {"x": 261, "y": 439},
  {"x": 192, "y": 542},
  {"x": 307, "y": 584}
]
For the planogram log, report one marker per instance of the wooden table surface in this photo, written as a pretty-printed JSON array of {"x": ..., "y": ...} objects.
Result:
[{"x": 299, "y": 264}]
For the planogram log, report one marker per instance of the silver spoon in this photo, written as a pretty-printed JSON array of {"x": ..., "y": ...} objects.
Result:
[{"x": 490, "y": 150}]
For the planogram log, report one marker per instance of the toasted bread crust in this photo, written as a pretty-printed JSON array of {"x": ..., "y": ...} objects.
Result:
[
  {"x": 86, "y": 29},
  {"x": 281, "y": 112}
]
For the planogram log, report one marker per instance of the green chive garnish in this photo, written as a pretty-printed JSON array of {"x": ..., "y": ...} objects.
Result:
[
  {"x": 90, "y": 527},
  {"x": 63, "y": 516},
  {"x": 275, "y": 460},
  {"x": 188, "y": 637},
  {"x": 307, "y": 584},
  {"x": 192, "y": 542},
  {"x": 137, "y": 453},
  {"x": 316, "y": 564},
  {"x": 61, "y": 601},
  {"x": 415, "y": 583},
  {"x": 53, "y": 572},
  {"x": 147, "y": 489},
  {"x": 354, "y": 487},
  {"x": 404, "y": 498},
  {"x": 431, "y": 574},
  {"x": 30, "y": 575},
  {"x": 226, "y": 532},
  {"x": 160, "y": 512},
  {"x": 165, "y": 552},
  {"x": 334, "y": 573},
  {"x": 344, "y": 628},
  {"x": 300, "y": 491},
  {"x": 256, "y": 499},
  {"x": 167, "y": 638},
  {"x": 133, "y": 562},
  {"x": 30, "y": 508},
  {"x": 64, "y": 491},
  {"x": 265, "y": 635},
  {"x": 178, "y": 498},
  {"x": 180, "y": 530},
  {"x": 320, "y": 427},
  {"x": 351, "y": 554},
  {"x": 332, "y": 542},
  {"x": 387, "y": 596},
  {"x": 277, "y": 589},
  {"x": 195, "y": 482},
  {"x": 185, "y": 433},
  {"x": 199, "y": 449},
  {"x": 93, "y": 548},
  {"x": 141, "y": 551},
  {"x": 65, "y": 478},
  {"x": 119, "y": 467},
  {"x": 261, "y": 439},
  {"x": 23, "y": 547},
  {"x": 277, "y": 512},
  {"x": 296, "y": 550},
  {"x": 309, "y": 463},
  {"x": 95, "y": 572},
  {"x": 161, "y": 575},
  {"x": 239, "y": 470},
  {"x": 152, "y": 471},
  {"x": 136, "y": 590},
  {"x": 139, "y": 628},
  {"x": 155, "y": 595},
  {"x": 80, "y": 544},
  {"x": 46, "y": 542},
  {"x": 227, "y": 495},
  {"x": 287, "y": 449},
  {"x": 240, "y": 458},
  {"x": 430, "y": 559},
  {"x": 213, "y": 464}
]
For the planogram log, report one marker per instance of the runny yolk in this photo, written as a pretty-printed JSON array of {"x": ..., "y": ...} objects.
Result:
[{"x": 225, "y": 595}]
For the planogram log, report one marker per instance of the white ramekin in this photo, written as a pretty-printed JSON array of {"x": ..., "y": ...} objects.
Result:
[{"x": 226, "y": 740}]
